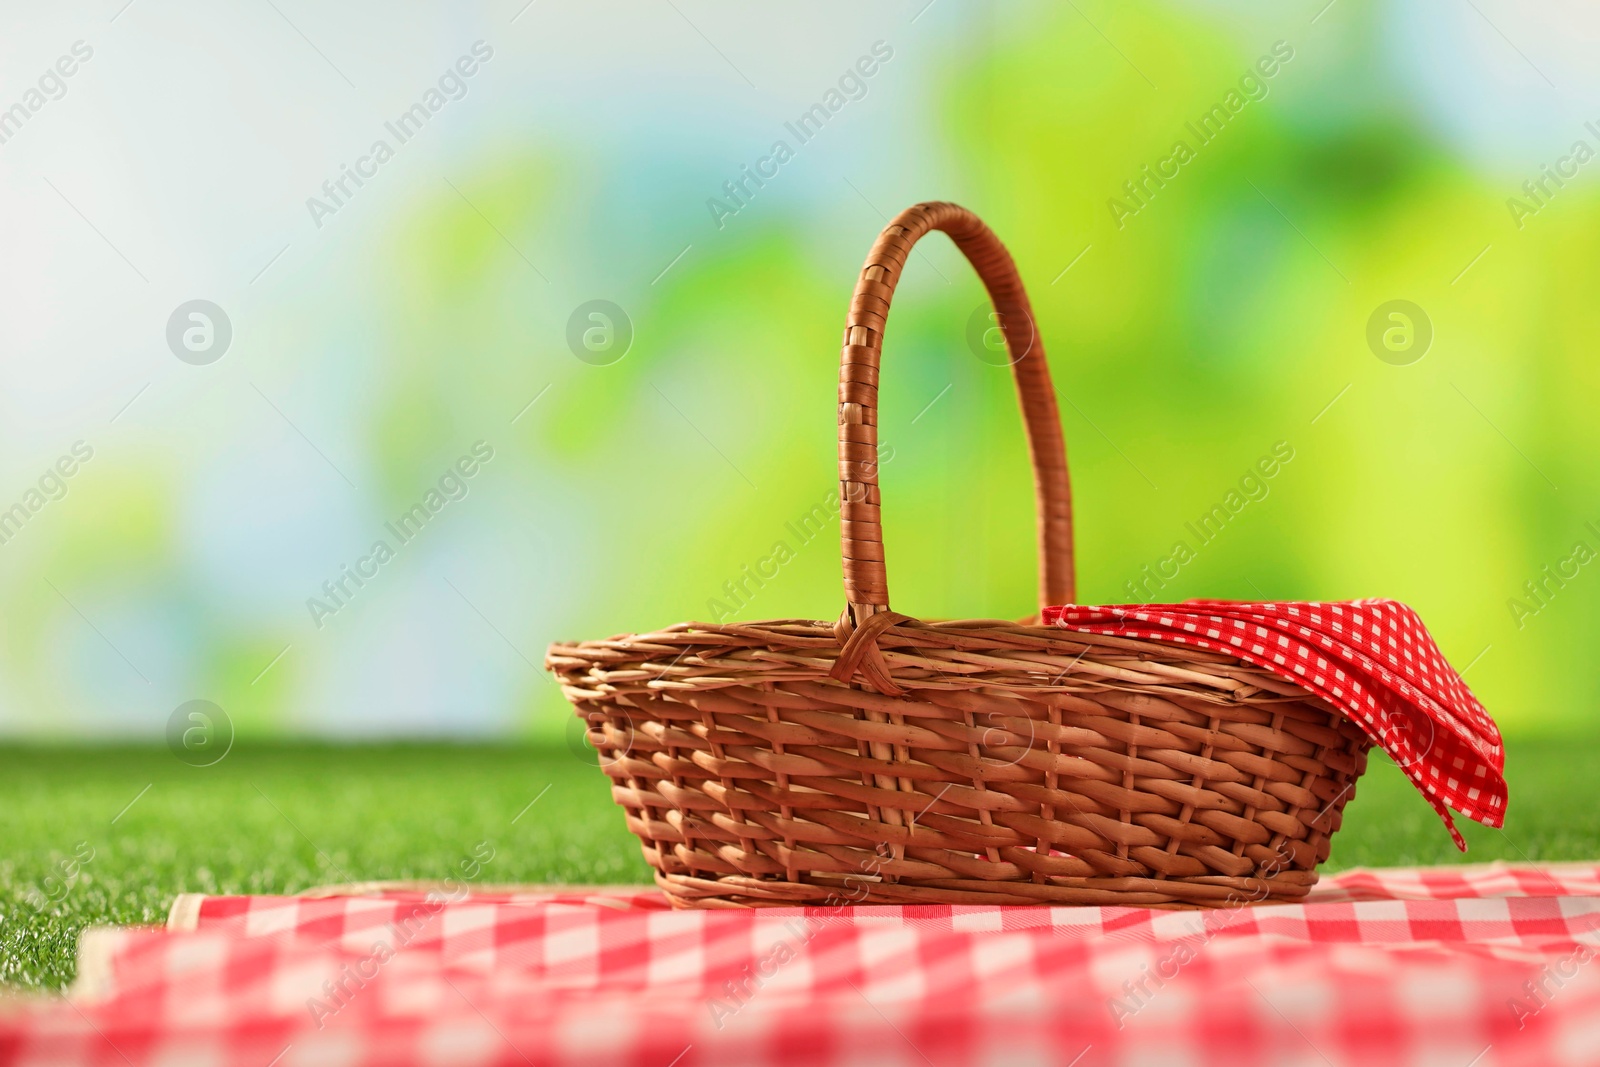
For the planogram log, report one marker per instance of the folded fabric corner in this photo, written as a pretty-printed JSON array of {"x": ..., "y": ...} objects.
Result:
[{"x": 1373, "y": 660}]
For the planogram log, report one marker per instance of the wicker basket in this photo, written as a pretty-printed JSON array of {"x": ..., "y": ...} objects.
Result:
[{"x": 887, "y": 760}]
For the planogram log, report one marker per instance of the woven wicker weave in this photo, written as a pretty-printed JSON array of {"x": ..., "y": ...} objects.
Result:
[{"x": 888, "y": 760}]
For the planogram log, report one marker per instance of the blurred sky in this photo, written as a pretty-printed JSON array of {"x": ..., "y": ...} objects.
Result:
[{"x": 376, "y": 339}]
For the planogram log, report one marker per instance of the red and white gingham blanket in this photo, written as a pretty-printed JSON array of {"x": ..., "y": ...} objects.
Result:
[
  {"x": 1487, "y": 966},
  {"x": 1374, "y": 660}
]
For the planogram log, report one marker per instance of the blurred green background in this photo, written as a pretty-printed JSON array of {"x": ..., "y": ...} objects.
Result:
[
  {"x": 1226, "y": 316},
  {"x": 1314, "y": 163}
]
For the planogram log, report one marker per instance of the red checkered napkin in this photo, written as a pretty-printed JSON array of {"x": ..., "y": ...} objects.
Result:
[{"x": 1371, "y": 659}]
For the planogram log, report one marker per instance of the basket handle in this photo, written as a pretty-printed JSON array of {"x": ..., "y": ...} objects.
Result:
[{"x": 860, "y": 527}]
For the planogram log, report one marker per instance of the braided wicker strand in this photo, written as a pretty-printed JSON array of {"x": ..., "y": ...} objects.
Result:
[{"x": 886, "y": 760}]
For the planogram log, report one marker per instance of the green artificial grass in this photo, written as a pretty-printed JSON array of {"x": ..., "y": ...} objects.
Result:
[
  {"x": 279, "y": 819},
  {"x": 84, "y": 841}
]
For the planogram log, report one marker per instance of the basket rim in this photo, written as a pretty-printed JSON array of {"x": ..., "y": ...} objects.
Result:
[{"x": 1136, "y": 665}]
